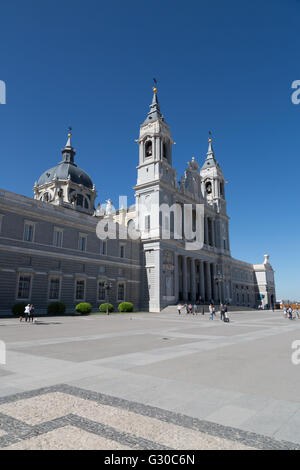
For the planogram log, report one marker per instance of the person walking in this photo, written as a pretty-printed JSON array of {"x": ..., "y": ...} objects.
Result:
[
  {"x": 31, "y": 313},
  {"x": 179, "y": 307},
  {"x": 222, "y": 312},
  {"x": 27, "y": 312},
  {"x": 211, "y": 311},
  {"x": 195, "y": 309}
]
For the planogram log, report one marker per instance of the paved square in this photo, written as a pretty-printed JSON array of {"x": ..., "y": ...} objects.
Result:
[{"x": 150, "y": 381}]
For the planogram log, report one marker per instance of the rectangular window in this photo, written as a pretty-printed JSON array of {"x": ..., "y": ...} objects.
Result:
[
  {"x": 122, "y": 251},
  {"x": 1, "y": 220},
  {"x": 82, "y": 242},
  {"x": 147, "y": 222},
  {"x": 80, "y": 290},
  {"x": 101, "y": 291},
  {"x": 54, "y": 288},
  {"x": 58, "y": 238},
  {"x": 24, "y": 287},
  {"x": 28, "y": 232},
  {"x": 121, "y": 292}
]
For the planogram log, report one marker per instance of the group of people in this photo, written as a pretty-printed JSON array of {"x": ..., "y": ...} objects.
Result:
[
  {"x": 195, "y": 309},
  {"x": 223, "y": 312},
  {"x": 291, "y": 314},
  {"x": 28, "y": 313},
  {"x": 189, "y": 309}
]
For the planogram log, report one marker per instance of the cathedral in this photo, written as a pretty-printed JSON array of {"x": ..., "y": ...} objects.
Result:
[{"x": 51, "y": 249}]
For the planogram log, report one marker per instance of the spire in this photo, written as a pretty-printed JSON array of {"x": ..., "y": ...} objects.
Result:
[
  {"x": 69, "y": 144},
  {"x": 68, "y": 151},
  {"x": 210, "y": 152},
  {"x": 154, "y": 107},
  {"x": 210, "y": 156}
]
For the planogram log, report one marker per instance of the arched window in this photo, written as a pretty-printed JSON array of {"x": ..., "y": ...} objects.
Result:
[
  {"x": 46, "y": 197},
  {"x": 79, "y": 200},
  {"x": 208, "y": 187},
  {"x": 165, "y": 151},
  {"x": 148, "y": 149},
  {"x": 222, "y": 189}
]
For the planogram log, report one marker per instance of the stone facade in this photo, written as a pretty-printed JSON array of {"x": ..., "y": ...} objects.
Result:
[{"x": 49, "y": 248}]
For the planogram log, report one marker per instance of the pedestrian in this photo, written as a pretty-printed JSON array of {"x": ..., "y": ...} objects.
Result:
[
  {"x": 222, "y": 312},
  {"x": 31, "y": 313},
  {"x": 211, "y": 311},
  {"x": 297, "y": 313},
  {"x": 179, "y": 307},
  {"x": 195, "y": 309},
  {"x": 285, "y": 312},
  {"x": 187, "y": 308},
  {"x": 27, "y": 312},
  {"x": 190, "y": 308}
]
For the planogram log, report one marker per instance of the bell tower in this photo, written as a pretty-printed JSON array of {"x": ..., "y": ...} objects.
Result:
[
  {"x": 156, "y": 183},
  {"x": 213, "y": 181},
  {"x": 155, "y": 147},
  {"x": 154, "y": 169}
]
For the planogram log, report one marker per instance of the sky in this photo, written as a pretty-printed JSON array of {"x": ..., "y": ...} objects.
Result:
[{"x": 226, "y": 67}]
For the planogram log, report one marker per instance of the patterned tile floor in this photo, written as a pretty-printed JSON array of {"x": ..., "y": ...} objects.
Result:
[
  {"x": 150, "y": 381},
  {"x": 65, "y": 417}
]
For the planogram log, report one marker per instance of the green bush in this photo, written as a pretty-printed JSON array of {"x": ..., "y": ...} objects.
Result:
[
  {"x": 126, "y": 307},
  {"x": 103, "y": 308},
  {"x": 83, "y": 308},
  {"x": 18, "y": 309},
  {"x": 56, "y": 308}
]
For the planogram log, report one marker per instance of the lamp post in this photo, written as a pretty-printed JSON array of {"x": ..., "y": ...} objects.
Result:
[
  {"x": 219, "y": 278},
  {"x": 107, "y": 287}
]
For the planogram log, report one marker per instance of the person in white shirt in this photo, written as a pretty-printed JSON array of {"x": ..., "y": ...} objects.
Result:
[{"x": 27, "y": 312}]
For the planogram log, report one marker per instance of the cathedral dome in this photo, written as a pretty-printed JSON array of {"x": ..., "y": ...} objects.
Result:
[
  {"x": 67, "y": 169},
  {"x": 64, "y": 171}
]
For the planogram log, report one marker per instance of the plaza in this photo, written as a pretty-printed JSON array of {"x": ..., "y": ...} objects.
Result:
[{"x": 150, "y": 381}]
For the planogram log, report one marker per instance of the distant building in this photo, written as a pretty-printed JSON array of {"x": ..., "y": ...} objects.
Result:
[{"x": 49, "y": 249}]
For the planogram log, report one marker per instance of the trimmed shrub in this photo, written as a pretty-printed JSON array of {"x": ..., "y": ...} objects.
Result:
[
  {"x": 18, "y": 309},
  {"x": 126, "y": 307},
  {"x": 56, "y": 308},
  {"x": 83, "y": 308},
  {"x": 103, "y": 307}
]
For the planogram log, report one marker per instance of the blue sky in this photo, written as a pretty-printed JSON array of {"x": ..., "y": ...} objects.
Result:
[{"x": 221, "y": 66}]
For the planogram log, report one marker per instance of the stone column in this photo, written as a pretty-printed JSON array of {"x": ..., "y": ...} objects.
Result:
[
  {"x": 193, "y": 279},
  {"x": 217, "y": 236},
  {"x": 213, "y": 232},
  {"x": 184, "y": 278},
  {"x": 176, "y": 277},
  {"x": 208, "y": 281},
  {"x": 206, "y": 240},
  {"x": 202, "y": 281},
  {"x": 214, "y": 290}
]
